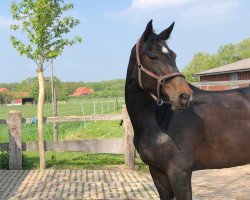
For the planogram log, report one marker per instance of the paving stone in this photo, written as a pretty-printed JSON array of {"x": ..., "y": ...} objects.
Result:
[
  {"x": 74, "y": 184},
  {"x": 116, "y": 185}
]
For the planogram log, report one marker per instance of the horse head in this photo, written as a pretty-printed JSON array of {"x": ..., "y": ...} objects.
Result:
[{"x": 157, "y": 72}]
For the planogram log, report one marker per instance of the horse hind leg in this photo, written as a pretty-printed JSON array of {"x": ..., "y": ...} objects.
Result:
[
  {"x": 181, "y": 183},
  {"x": 162, "y": 184}
]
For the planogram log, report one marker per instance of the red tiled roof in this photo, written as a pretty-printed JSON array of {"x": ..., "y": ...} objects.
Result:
[
  {"x": 82, "y": 91},
  {"x": 15, "y": 94},
  {"x": 20, "y": 94},
  {"x": 4, "y": 90}
]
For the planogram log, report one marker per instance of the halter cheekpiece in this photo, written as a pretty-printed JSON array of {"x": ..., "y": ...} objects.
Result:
[{"x": 160, "y": 79}]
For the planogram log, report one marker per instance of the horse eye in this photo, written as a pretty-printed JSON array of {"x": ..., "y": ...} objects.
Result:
[{"x": 153, "y": 57}]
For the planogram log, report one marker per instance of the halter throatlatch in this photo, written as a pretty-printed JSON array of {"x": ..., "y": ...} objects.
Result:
[{"x": 160, "y": 79}]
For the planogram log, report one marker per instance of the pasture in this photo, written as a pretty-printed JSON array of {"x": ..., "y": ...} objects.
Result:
[
  {"x": 67, "y": 132},
  {"x": 76, "y": 107}
]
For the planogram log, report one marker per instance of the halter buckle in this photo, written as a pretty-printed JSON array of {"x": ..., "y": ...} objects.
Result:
[
  {"x": 139, "y": 66},
  {"x": 160, "y": 102}
]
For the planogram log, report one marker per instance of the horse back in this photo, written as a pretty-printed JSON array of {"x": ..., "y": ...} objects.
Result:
[{"x": 216, "y": 129}]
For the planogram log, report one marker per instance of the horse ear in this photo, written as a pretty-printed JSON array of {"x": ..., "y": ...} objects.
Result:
[
  {"x": 164, "y": 35},
  {"x": 148, "y": 31}
]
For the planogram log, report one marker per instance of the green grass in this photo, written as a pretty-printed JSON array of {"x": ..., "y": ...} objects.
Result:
[
  {"x": 73, "y": 160},
  {"x": 69, "y": 131},
  {"x": 72, "y": 107},
  {"x": 72, "y": 130},
  {"x": 94, "y": 130}
]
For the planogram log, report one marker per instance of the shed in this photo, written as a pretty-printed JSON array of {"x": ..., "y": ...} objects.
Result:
[
  {"x": 23, "y": 101},
  {"x": 22, "y": 98},
  {"x": 82, "y": 91},
  {"x": 230, "y": 76}
]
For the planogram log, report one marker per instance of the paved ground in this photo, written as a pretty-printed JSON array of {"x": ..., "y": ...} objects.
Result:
[
  {"x": 228, "y": 184},
  {"x": 75, "y": 184},
  {"x": 223, "y": 184}
]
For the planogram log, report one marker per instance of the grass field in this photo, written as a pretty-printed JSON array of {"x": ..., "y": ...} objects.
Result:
[
  {"x": 69, "y": 131},
  {"x": 72, "y": 107}
]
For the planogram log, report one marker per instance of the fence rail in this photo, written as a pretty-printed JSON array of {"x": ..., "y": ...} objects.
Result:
[
  {"x": 113, "y": 146},
  {"x": 104, "y": 117},
  {"x": 3, "y": 121}
]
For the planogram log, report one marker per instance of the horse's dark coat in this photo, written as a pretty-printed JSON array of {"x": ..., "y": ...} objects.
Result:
[{"x": 212, "y": 133}]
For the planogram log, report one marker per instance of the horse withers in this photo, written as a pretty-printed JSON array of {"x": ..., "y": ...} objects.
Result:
[{"x": 179, "y": 128}]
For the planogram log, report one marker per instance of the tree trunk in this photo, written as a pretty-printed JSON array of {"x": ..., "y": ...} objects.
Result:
[
  {"x": 55, "y": 124},
  {"x": 54, "y": 102},
  {"x": 40, "y": 117}
]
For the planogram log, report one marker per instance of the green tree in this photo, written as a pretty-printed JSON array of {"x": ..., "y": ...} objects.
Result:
[
  {"x": 5, "y": 98},
  {"x": 45, "y": 25},
  {"x": 34, "y": 89},
  {"x": 9, "y": 86},
  {"x": 243, "y": 48},
  {"x": 228, "y": 54},
  {"x": 200, "y": 62}
]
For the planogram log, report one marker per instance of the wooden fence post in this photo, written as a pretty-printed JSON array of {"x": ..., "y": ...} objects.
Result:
[
  {"x": 55, "y": 124},
  {"x": 15, "y": 141},
  {"x": 129, "y": 150}
]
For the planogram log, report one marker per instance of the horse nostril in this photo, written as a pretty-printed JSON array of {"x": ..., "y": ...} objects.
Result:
[{"x": 184, "y": 99}]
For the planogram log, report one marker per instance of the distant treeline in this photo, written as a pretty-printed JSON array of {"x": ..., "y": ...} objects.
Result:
[{"x": 103, "y": 89}]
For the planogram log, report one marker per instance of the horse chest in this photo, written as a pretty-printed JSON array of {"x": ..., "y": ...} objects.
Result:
[
  {"x": 161, "y": 151},
  {"x": 153, "y": 149}
]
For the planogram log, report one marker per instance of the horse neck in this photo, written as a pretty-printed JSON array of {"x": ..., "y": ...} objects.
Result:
[
  {"x": 137, "y": 99},
  {"x": 142, "y": 108}
]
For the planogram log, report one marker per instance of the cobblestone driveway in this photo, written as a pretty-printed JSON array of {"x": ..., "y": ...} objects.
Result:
[
  {"x": 75, "y": 184},
  {"x": 226, "y": 184}
]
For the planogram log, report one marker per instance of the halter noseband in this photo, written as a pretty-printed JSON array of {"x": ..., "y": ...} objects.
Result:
[{"x": 160, "y": 79}]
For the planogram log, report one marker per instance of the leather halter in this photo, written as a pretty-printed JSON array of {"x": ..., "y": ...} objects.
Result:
[{"x": 160, "y": 79}]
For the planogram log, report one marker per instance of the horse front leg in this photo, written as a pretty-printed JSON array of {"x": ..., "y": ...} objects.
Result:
[
  {"x": 162, "y": 184},
  {"x": 181, "y": 183}
]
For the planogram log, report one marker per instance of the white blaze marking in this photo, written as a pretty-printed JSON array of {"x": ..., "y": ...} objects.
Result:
[{"x": 164, "y": 49}]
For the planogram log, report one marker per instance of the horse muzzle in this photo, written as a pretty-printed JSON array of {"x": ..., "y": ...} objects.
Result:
[
  {"x": 184, "y": 102},
  {"x": 179, "y": 93}
]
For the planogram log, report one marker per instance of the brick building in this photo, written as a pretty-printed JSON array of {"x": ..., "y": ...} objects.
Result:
[{"x": 226, "y": 77}]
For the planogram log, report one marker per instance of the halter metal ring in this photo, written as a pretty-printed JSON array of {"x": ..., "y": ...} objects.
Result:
[
  {"x": 161, "y": 80},
  {"x": 160, "y": 102}
]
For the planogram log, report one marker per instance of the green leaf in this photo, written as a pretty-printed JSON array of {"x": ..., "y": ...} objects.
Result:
[{"x": 45, "y": 26}]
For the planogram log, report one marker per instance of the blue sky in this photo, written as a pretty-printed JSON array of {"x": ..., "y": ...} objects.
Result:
[{"x": 110, "y": 28}]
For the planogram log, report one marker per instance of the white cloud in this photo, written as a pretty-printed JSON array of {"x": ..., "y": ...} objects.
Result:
[
  {"x": 210, "y": 12},
  {"x": 195, "y": 11},
  {"x": 156, "y": 4}
]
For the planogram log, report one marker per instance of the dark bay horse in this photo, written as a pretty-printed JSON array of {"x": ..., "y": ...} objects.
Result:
[{"x": 179, "y": 128}]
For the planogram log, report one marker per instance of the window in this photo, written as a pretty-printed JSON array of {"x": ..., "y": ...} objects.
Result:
[{"x": 234, "y": 76}]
